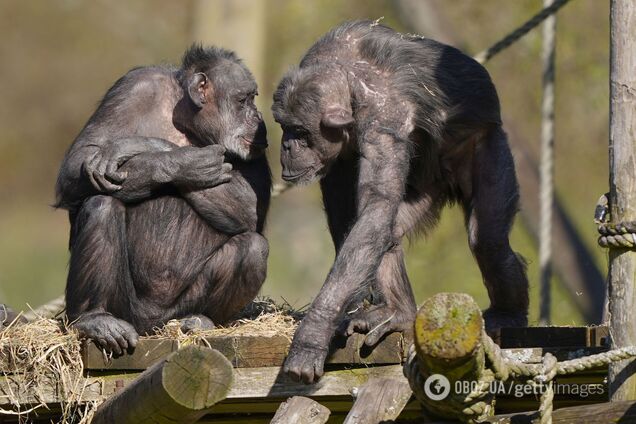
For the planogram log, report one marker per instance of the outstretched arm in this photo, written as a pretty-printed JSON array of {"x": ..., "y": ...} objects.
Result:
[{"x": 384, "y": 164}]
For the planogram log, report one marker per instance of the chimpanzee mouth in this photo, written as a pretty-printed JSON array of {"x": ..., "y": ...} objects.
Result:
[
  {"x": 256, "y": 142},
  {"x": 294, "y": 177}
]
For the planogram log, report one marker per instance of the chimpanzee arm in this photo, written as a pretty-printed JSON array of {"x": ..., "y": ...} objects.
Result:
[
  {"x": 384, "y": 165},
  {"x": 87, "y": 162},
  {"x": 185, "y": 168},
  {"x": 238, "y": 206}
]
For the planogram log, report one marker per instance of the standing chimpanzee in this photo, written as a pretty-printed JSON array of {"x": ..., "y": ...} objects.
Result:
[
  {"x": 167, "y": 188},
  {"x": 395, "y": 127}
]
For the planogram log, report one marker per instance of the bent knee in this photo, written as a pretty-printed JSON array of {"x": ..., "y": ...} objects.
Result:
[
  {"x": 257, "y": 247},
  {"x": 100, "y": 205}
]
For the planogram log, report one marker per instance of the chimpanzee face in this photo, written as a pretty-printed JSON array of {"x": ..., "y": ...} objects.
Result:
[
  {"x": 315, "y": 120},
  {"x": 227, "y": 114}
]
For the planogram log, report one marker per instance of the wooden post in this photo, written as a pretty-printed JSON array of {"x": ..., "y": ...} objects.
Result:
[
  {"x": 448, "y": 330},
  {"x": 179, "y": 389},
  {"x": 622, "y": 156},
  {"x": 301, "y": 410},
  {"x": 379, "y": 400}
]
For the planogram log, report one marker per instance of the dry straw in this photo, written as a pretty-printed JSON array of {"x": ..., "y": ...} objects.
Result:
[{"x": 42, "y": 354}]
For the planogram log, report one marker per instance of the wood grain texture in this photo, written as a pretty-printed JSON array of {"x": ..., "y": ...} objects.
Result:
[
  {"x": 622, "y": 152},
  {"x": 179, "y": 389},
  {"x": 301, "y": 410},
  {"x": 379, "y": 400},
  {"x": 250, "y": 352}
]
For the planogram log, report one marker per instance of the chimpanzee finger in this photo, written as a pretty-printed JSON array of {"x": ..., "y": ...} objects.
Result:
[
  {"x": 129, "y": 333},
  {"x": 105, "y": 185},
  {"x": 89, "y": 169},
  {"x": 111, "y": 172},
  {"x": 226, "y": 168},
  {"x": 121, "y": 341},
  {"x": 373, "y": 337},
  {"x": 117, "y": 177},
  {"x": 112, "y": 344}
]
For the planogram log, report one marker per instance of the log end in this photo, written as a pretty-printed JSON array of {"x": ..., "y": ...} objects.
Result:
[
  {"x": 197, "y": 377},
  {"x": 448, "y": 326}
]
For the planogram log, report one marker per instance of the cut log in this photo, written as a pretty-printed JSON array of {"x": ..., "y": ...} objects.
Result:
[
  {"x": 379, "y": 400},
  {"x": 301, "y": 410},
  {"x": 180, "y": 389},
  {"x": 448, "y": 331}
]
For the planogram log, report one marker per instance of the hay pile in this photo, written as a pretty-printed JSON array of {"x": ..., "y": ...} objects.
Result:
[{"x": 39, "y": 353}]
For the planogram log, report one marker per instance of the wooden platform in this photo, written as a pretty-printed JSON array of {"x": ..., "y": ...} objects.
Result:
[{"x": 259, "y": 386}]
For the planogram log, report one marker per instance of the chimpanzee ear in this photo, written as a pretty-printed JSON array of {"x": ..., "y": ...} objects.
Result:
[
  {"x": 198, "y": 89},
  {"x": 336, "y": 116}
]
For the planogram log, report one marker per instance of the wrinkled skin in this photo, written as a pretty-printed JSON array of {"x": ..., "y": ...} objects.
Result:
[
  {"x": 167, "y": 188},
  {"x": 395, "y": 127}
]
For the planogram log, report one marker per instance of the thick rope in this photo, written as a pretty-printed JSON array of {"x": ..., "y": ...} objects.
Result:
[
  {"x": 621, "y": 235},
  {"x": 514, "y": 36},
  {"x": 501, "y": 368}
]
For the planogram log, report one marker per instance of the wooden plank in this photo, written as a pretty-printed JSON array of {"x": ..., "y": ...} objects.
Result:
[
  {"x": 250, "y": 352},
  {"x": 379, "y": 400},
  {"x": 601, "y": 413},
  {"x": 551, "y": 337},
  {"x": 301, "y": 410},
  {"x": 248, "y": 383}
]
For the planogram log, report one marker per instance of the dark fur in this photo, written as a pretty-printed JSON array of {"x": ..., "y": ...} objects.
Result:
[
  {"x": 167, "y": 200},
  {"x": 395, "y": 127}
]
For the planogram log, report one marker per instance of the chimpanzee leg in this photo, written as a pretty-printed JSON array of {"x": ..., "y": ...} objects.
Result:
[
  {"x": 489, "y": 215},
  {"x": 234, "y": 275},
  {"x": 98, "y": 273}
]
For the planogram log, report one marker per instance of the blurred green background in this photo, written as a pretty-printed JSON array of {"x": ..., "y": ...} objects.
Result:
[{"x": 60, "y": 56}]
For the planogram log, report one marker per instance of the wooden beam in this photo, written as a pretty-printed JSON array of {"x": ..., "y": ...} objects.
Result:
[
  {"x": 249, "y": 352},
  {"x": 622, "y": 155},
  {"x": 379, "y": 400},
  {"x": 301, "y": 410},
  {"x": 180, "y": 389},
  {"x": 601, "y": 413}
]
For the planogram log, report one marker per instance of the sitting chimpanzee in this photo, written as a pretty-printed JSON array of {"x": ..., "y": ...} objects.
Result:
[
  {"x": 395, "y": 127},
  {"x": 167, "y": 188}
]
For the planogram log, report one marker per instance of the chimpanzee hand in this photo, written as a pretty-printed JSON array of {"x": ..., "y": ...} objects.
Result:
[
  {"x": 200, "y": 167},
  {"x": 376, "y": 321},
  {"x": 306, "y": 358},
  {"x": 110, "y": 333},
  {"x": 101, "y": 169}
]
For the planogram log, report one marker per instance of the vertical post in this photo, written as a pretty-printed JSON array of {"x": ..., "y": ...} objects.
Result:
[
  {"x": 622, "y": 157},
  {"x": 547, "y": 165},
  {"x": 237, "y": 25}
]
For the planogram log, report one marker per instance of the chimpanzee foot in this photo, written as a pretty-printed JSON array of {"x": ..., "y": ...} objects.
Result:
[
  {"x": 108, "y": 332},
  {"x": 305, "y": 362},
  {"x": 376, "y": 321},
  {"x": 495, "y": 319},
  {"x": 196, "y": 322}
]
